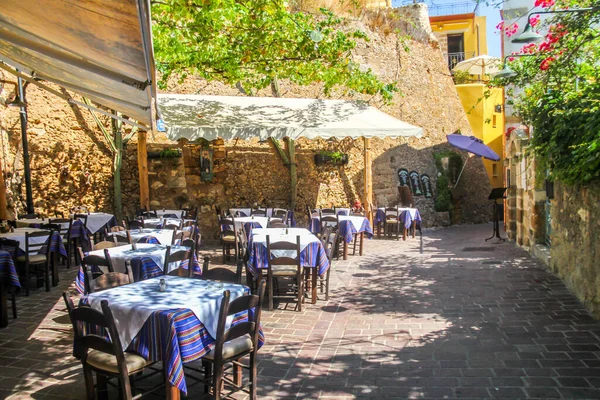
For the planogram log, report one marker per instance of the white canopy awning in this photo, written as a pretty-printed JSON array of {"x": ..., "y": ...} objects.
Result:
[
  {"x": 229, "y": 117},
  {"x": 99, "y": 49}
]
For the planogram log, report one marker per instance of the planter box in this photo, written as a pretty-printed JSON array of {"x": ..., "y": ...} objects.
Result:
[{"x": 321, "y": 159}]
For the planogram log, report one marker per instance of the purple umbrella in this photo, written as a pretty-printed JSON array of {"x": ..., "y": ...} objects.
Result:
[{"x": 472, "y": 145}]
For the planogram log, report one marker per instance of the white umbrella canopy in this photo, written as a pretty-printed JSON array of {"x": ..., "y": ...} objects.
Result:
[
  {"x": 229, "y": 117},
  {"x": 480, "y": 65}
]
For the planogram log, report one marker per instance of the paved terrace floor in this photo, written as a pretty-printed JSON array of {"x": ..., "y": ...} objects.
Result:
[{"x": 448, "y": 316}]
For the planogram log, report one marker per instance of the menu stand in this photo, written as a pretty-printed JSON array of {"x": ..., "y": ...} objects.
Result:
[{"x": 495, "y": 195}]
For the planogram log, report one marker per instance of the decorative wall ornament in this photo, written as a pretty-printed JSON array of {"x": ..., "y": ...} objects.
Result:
[
  {"x": 426, "y": 185},
  {"x": 403, "y": 177},
  {"x": 415, "y": 183},
  {"x": 206, "y": 164}
]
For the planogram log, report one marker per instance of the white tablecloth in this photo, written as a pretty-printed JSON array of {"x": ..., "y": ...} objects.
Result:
[
  {"x": 120, "y": 254},
  {"x": 155, "y": 222},
  {"x": 25, "y": 223},
  {"x": 241, "y": 221},
  {"x": 97, "y": 220},
  {"x": 132, "y": 304},
  {"x": 164, "y": 236},
  {"x": 248, "y": 211},
  {"x": 160, "y": 213},
  {"x": 19, "y": 236}
]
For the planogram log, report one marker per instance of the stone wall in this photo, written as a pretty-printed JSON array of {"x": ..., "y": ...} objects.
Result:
[
  {"x": 64, "y": 138},
  {"x": 575, "y": 249}
]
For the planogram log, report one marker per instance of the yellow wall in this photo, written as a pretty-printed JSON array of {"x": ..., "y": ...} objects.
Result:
[
  {"x": 467, "y": 24},
  {"x": 480, "y": 114}
]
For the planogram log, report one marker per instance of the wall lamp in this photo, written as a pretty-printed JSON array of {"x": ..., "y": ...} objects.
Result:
[
  {"x": 530, "y": 36},
  {"x": 506, "y": 71}
]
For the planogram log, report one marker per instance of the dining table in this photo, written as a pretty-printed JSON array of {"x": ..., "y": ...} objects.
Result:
[
  {"x": 9, "y": 279},
  {"x": 174, "y": 327},
  {"x": 247, "y": 212},
  {"x": 409, "y": 216},
  {"x": 78, "y": 231},
  {"x": 164, "y": 236},
  {"x": 98, "y": 220},
  {"x": 56, "y": 245},
  {"x": 159, "y": 223},
  {"x": 146, "y": 261},
  {"x": 178, "y": 213},
  {"x": 312, "y": 253},
  {"x": 349, "y": 226}
]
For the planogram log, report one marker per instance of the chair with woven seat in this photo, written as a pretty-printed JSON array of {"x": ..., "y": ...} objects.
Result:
[
  {"x": 331, "y": 221},
  {"x": 104, "y": 244},
  {"x": 149, "y": 214},
  {"x": 37, "y": 254},
  {"x": 229, "y": 238},
  {"x": 93, "y": 263},
  {"x": 391, "y": 222},
  {"x": 330, "y": 241},
  {"x": 11, "y": 247},
  {"x": 258, "y": 212},
  {"x": 190, "y": 213},
  {"x": 281, "y": 213},
  {"x": 101, "y": 356},
  {"x": 172, "y": 226},
  {"x": 107, "y": 280},
  {"x": 134, "y": 224},
  {"x": 121, "y": 240},
  {"x": 65, "y": 234},
  {"x": 327, "y": 211},
  {"x": 277, "y": 224},
  {"x": 178, "y": 257},
  {"x": 179, "y": 237},
  {"x": 285, "y": 267},
  {"x": 222, "y": 274},
  {"x": 235, "y": 343}
]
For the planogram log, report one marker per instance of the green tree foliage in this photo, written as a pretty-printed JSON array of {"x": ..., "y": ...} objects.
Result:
[
  {"x": 561, "y": 93},
  {"x": 257, "y": 42}
]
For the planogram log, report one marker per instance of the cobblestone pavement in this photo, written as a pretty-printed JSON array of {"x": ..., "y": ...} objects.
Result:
[{"x": 448, "y": 316}]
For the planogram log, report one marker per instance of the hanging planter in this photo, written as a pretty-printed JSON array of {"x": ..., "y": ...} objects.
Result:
[{"x": 331, "y": 157}]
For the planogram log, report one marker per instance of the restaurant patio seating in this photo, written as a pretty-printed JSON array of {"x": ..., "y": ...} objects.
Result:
[
  {"x": 94, "y": 262},
  {"x": 331, "y": 243},
  {"x": 392, "y": 222},
  {"x": 178, "y": 257},
  {"x": 104, "y": 244},
  {"x": 330, "y": 220},
  {"x": 120, "y": 240},
  {"x": 277, "y": 224},
  {"x": 327, "y": 211},
  {"x": 28, "y": 216},
  {"x": 67, "y": 240},
  {"x": 235, "y": 343},
  {"x": 285, "y": 266},
  {"x": 260, "y": 212},
  {"x": 12, "y": 248},
  {"x": 106, "y": 358},
  {"x": 37, "y": 254},
  {"x": 222, "y": 274},
  {"x": 229, "y": 237}
]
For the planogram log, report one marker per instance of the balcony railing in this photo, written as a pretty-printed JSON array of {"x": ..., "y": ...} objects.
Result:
[
  {"x": 455, "y": 58},
  {"x": 436, "y": 10}
]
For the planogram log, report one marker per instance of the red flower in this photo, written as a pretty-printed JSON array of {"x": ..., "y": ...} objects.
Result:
[
  {"x": 534, "y": 20},
  {"x": 544, "y": 3},
  {"x": 546, "y": 63}
]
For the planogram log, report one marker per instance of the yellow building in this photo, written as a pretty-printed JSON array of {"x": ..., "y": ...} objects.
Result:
[
  {"x": 461, "y": 36},
  {"x": 484, "y": 113}
]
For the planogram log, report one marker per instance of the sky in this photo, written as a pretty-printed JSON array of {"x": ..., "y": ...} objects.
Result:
[{"x": 491, "y": 13}]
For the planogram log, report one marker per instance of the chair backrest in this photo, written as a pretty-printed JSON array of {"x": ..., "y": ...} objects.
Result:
[
  {"x": 117, "y": 228},
  {"x": 181, "y": 236},
  {"x": 59, "y": 221},
  {"x": 121, "y": 240},
  {"x": 179, "y": 255},
  {"x": 277, "y": 224},
  {"x": 331, "y": 243},
  {"x": 28, "y": 216},
  {"x": 52, "y": 227},
  {"x": 259, "y": 212},
  {"x": 104, "y": 244},
  {"x": 149, "y": 214},
  {"x": 174, "y": 216},
  {"x": 38, "y": 243},
  {"x": 99, "y": 261},
  {"x": 10, "y": 246},
  {"x": 172, "y": 226},
  {"x": 82, "y": 217},
  {"x": 283, "y": 245},
  {"x": 87, "y": 316},
  {"x": 80, "y": 210},
  {"x": 190, "y": 213},
  {"x": 327, "y": 211},
  {"x": 280, "y": 213},
  {"x": 250, "y": 303},
  {"x": 135, "y": 224},
  {"x": 227, "y": 225},
  {"x": 330, "y": 220},
  {"x": 391, "y": 212},
  {"x": 108, "y": 280},
  {"x": 189, "y": 223}
]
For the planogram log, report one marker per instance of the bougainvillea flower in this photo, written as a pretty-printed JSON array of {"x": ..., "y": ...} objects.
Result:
[
  {"x": 534, "y": 20},
  {"x": 544, "y": 3},
  {"x": 546, "y": 63}
]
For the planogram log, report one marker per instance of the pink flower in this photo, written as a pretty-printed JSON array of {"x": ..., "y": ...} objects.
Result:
[
  {"x": 528, "y": 48},
  {"x": 546, "y": 63},
  {"x": 512, "y": 29},
  {"x": 511, "y": 59},
  {"x": 534, "y": 20},
  {"x": 544, "y": 3},
  {"x": 545, "y": 46},
  {"x": 500, "y": 26}
]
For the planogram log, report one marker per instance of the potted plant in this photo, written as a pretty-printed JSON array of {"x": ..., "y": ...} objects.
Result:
[
  {"x": 331, "y": 157},
  {"x": 166, "y": 153}
]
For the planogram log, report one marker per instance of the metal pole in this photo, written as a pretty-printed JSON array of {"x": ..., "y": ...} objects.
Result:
[{"x": 27, "y": 171}]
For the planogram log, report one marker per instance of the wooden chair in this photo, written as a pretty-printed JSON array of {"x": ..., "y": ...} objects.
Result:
[
  {"x": 259, "y": 212},
  {"x": 11, "y": 247},
  {"x": 281, "y": 213},
  {"x": 135, "y": 224},
  {"x": 179, "y": 256},
  {"x": 277, "y": 224},
  {"x": 181, "y": 236},
  {"x": 121, "y": 240},
  {"x": 37, "y": 254},
  {"x": 105, "y": 244},
  {"x": 149, "y": 214},
  {"x": 331, "y": 221},
  {"x": 229, "y": 238},
  {"x": 98, "y": 355},
  {"x": 285, "y": 267},
  {"x": 330, "y": 241},
  {"x": 117, "y": 228},
  {"x": 66, "y": 236},
  {"x": 190, "y": 213},
  {"x": 235, "y": 343},
  {"x": 327, "y": 211},
  {"x": 94, "y": 260},
  {"x": 107, "y": 280},
  {"x": 391, "y": 222},
  {"x": 173, "y": 227},
  {"x": 222, "y": 274},
  {"x": 82, "y": 217}
]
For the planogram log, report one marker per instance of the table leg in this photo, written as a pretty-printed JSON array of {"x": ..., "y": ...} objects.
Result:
[
  {"x": 3, "y": 306},
  {"x": 172, "y": 392},
  {"x": 379, "y": 230},
  {"x": 404, "y": 232},
  {"x": 345, "y": 249},
  {"x": 362, "y": 237},
  {"x": 55, "y": 268},
  {"x": 314, "y": 272},
  {"x": 414, "y": 228}
]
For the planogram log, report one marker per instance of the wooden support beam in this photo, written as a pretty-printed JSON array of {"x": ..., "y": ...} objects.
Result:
[
  {"x": 368, "y": 194},
  {"x": 143, "y": 170},
  {"x": 293, "y": 173}
]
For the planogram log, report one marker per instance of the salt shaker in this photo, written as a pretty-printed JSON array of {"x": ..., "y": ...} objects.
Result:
[{"x": 162, "y": 285}]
